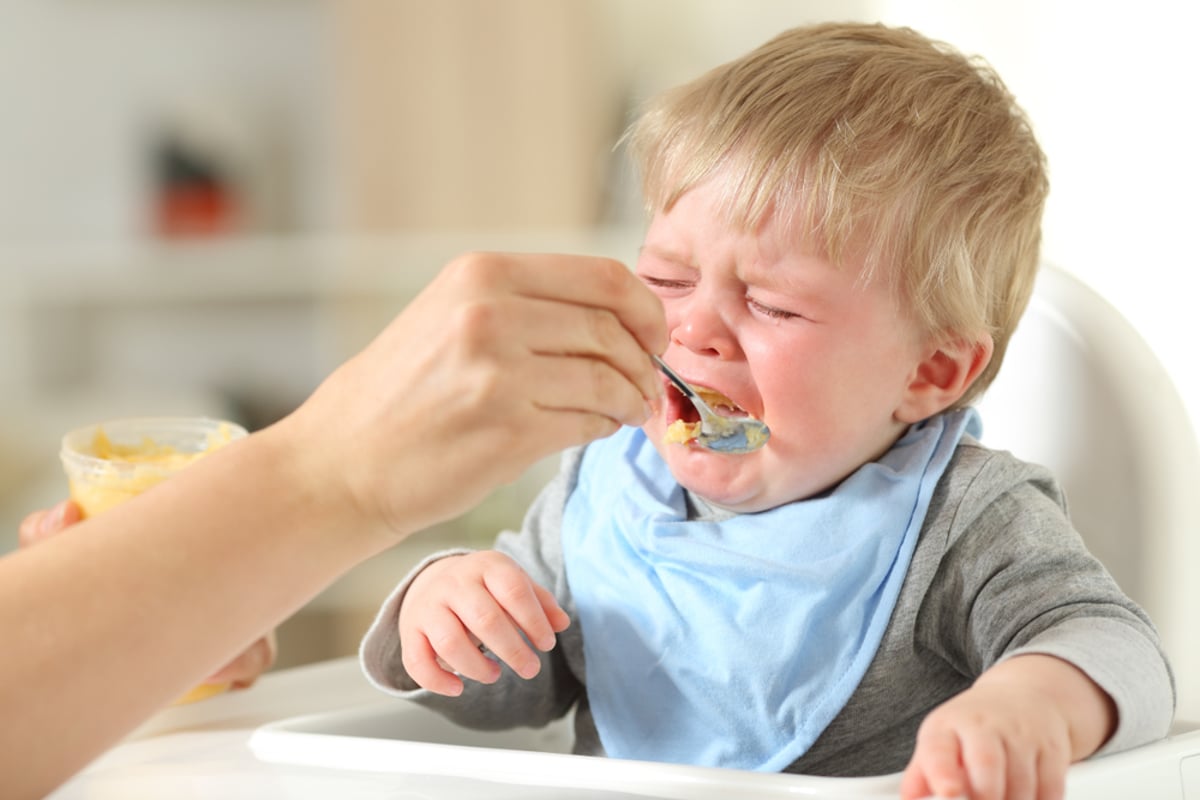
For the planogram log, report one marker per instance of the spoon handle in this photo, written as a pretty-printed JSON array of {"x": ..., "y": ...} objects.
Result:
[{"x": 679, "y": 382}]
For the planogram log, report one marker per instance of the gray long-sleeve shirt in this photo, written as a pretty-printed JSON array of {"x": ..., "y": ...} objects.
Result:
[{"x": 998, "y": 571}]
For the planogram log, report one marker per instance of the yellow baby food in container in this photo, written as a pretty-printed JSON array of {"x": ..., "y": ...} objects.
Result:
[{"x": 110, "y": 462}]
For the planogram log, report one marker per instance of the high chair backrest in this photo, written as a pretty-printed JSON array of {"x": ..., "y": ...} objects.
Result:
[{"x": 1082, "y": 393}]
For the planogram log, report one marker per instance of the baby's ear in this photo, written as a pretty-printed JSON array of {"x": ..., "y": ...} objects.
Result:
[{"x": 944, "y": 376}]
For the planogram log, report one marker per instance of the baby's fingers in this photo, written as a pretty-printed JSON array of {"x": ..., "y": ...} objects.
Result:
[
  {"x": 427, "y": 670},
  {"x": 987, "y": 763},
  {"x": 528, "y": 605},
  {"x": 1051, "y": 777},
  {"x": 936, "y": 768},
  {"x": 509, "y": 609},
  {"x": 435, "y": 659},
  {"x": 558, "y": 619}
]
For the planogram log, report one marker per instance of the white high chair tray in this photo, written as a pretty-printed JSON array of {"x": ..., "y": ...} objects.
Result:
[
  {"x": 398, "y": 737},
  {"x": 321, "y": 732}
]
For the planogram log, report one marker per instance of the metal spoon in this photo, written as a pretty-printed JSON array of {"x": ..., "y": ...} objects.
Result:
[{"x": 735, "y": 435}]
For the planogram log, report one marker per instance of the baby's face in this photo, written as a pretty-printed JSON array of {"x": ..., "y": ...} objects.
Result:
[{"x": 825, "y": 361}]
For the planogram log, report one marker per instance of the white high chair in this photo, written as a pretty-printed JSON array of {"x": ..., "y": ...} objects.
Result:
[
  {"x": 1079, "y": 392},
  {"x": 1082, "y": 393}
]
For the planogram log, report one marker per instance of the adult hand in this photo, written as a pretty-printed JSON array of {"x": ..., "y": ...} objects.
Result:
[
  {"x": 501, "y": 360},
  {"x": 240, "y": 673}
]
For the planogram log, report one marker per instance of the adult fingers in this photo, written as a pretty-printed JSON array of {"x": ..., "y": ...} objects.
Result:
[
  {"x": 514, "y": 348},
  {"x": 42, "y": 524},
  {"x": 559, "y": 329},
  {"x": 245, "y": 669},
  {"x": 579, "y": 280},
  {"x": 30, "y": 529},
  {"x": 563, "y": 383}
]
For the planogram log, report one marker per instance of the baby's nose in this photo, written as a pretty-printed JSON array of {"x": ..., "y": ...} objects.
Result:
[{"x": 702, "y": 327}]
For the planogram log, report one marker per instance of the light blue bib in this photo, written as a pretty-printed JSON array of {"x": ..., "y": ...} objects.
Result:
[{"x": 735, "y": 643}]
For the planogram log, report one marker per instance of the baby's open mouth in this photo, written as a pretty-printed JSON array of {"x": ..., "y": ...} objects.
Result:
[
  {"x": 684, "y": 410},
  {"x": 719, "y": 403},
  {"x": 686, "y": 426}
]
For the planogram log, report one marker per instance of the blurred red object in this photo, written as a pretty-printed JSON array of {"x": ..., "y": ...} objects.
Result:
[{"x": 192, "y": 198}]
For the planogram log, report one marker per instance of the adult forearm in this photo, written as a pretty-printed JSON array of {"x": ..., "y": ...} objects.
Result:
[{"x": 106, "y": 626}]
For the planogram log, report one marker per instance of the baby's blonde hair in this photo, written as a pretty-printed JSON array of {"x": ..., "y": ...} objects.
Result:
[{"x": 886, "y": 148}]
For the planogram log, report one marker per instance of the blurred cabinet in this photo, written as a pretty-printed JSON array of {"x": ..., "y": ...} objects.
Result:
[{"x": 475, "y": 113}]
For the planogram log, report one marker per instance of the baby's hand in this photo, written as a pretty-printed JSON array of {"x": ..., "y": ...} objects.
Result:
[
  {"x": 987, "y": 744},
  {"x": 1012, "y": 735},
  {"x": 459, "y": 605}
]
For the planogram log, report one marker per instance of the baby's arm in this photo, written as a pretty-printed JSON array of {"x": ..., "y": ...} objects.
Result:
[
  {"x": 461, "y": 604},
  {"x": 1012, "y": 734}
]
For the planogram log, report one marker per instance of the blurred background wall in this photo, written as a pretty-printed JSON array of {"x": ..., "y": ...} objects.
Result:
[{"x": 206, "y": 204}]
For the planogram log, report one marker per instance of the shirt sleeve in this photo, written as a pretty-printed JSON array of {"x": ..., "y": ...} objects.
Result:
[
  {"x": 1126, "y": 665},
  {"x": 1017, "y": 578}
]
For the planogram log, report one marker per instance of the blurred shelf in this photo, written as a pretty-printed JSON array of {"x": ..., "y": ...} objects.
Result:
[{"x": 270, "y": 267}]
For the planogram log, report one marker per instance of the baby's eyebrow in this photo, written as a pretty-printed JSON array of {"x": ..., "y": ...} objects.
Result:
[
  {"x": 667, "y": 254},
  {"x": 777, "y": 277},
  {"x": 789, "y": 281}
]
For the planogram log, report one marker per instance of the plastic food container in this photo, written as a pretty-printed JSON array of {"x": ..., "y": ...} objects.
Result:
[{"x": 109, "y": 462}]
